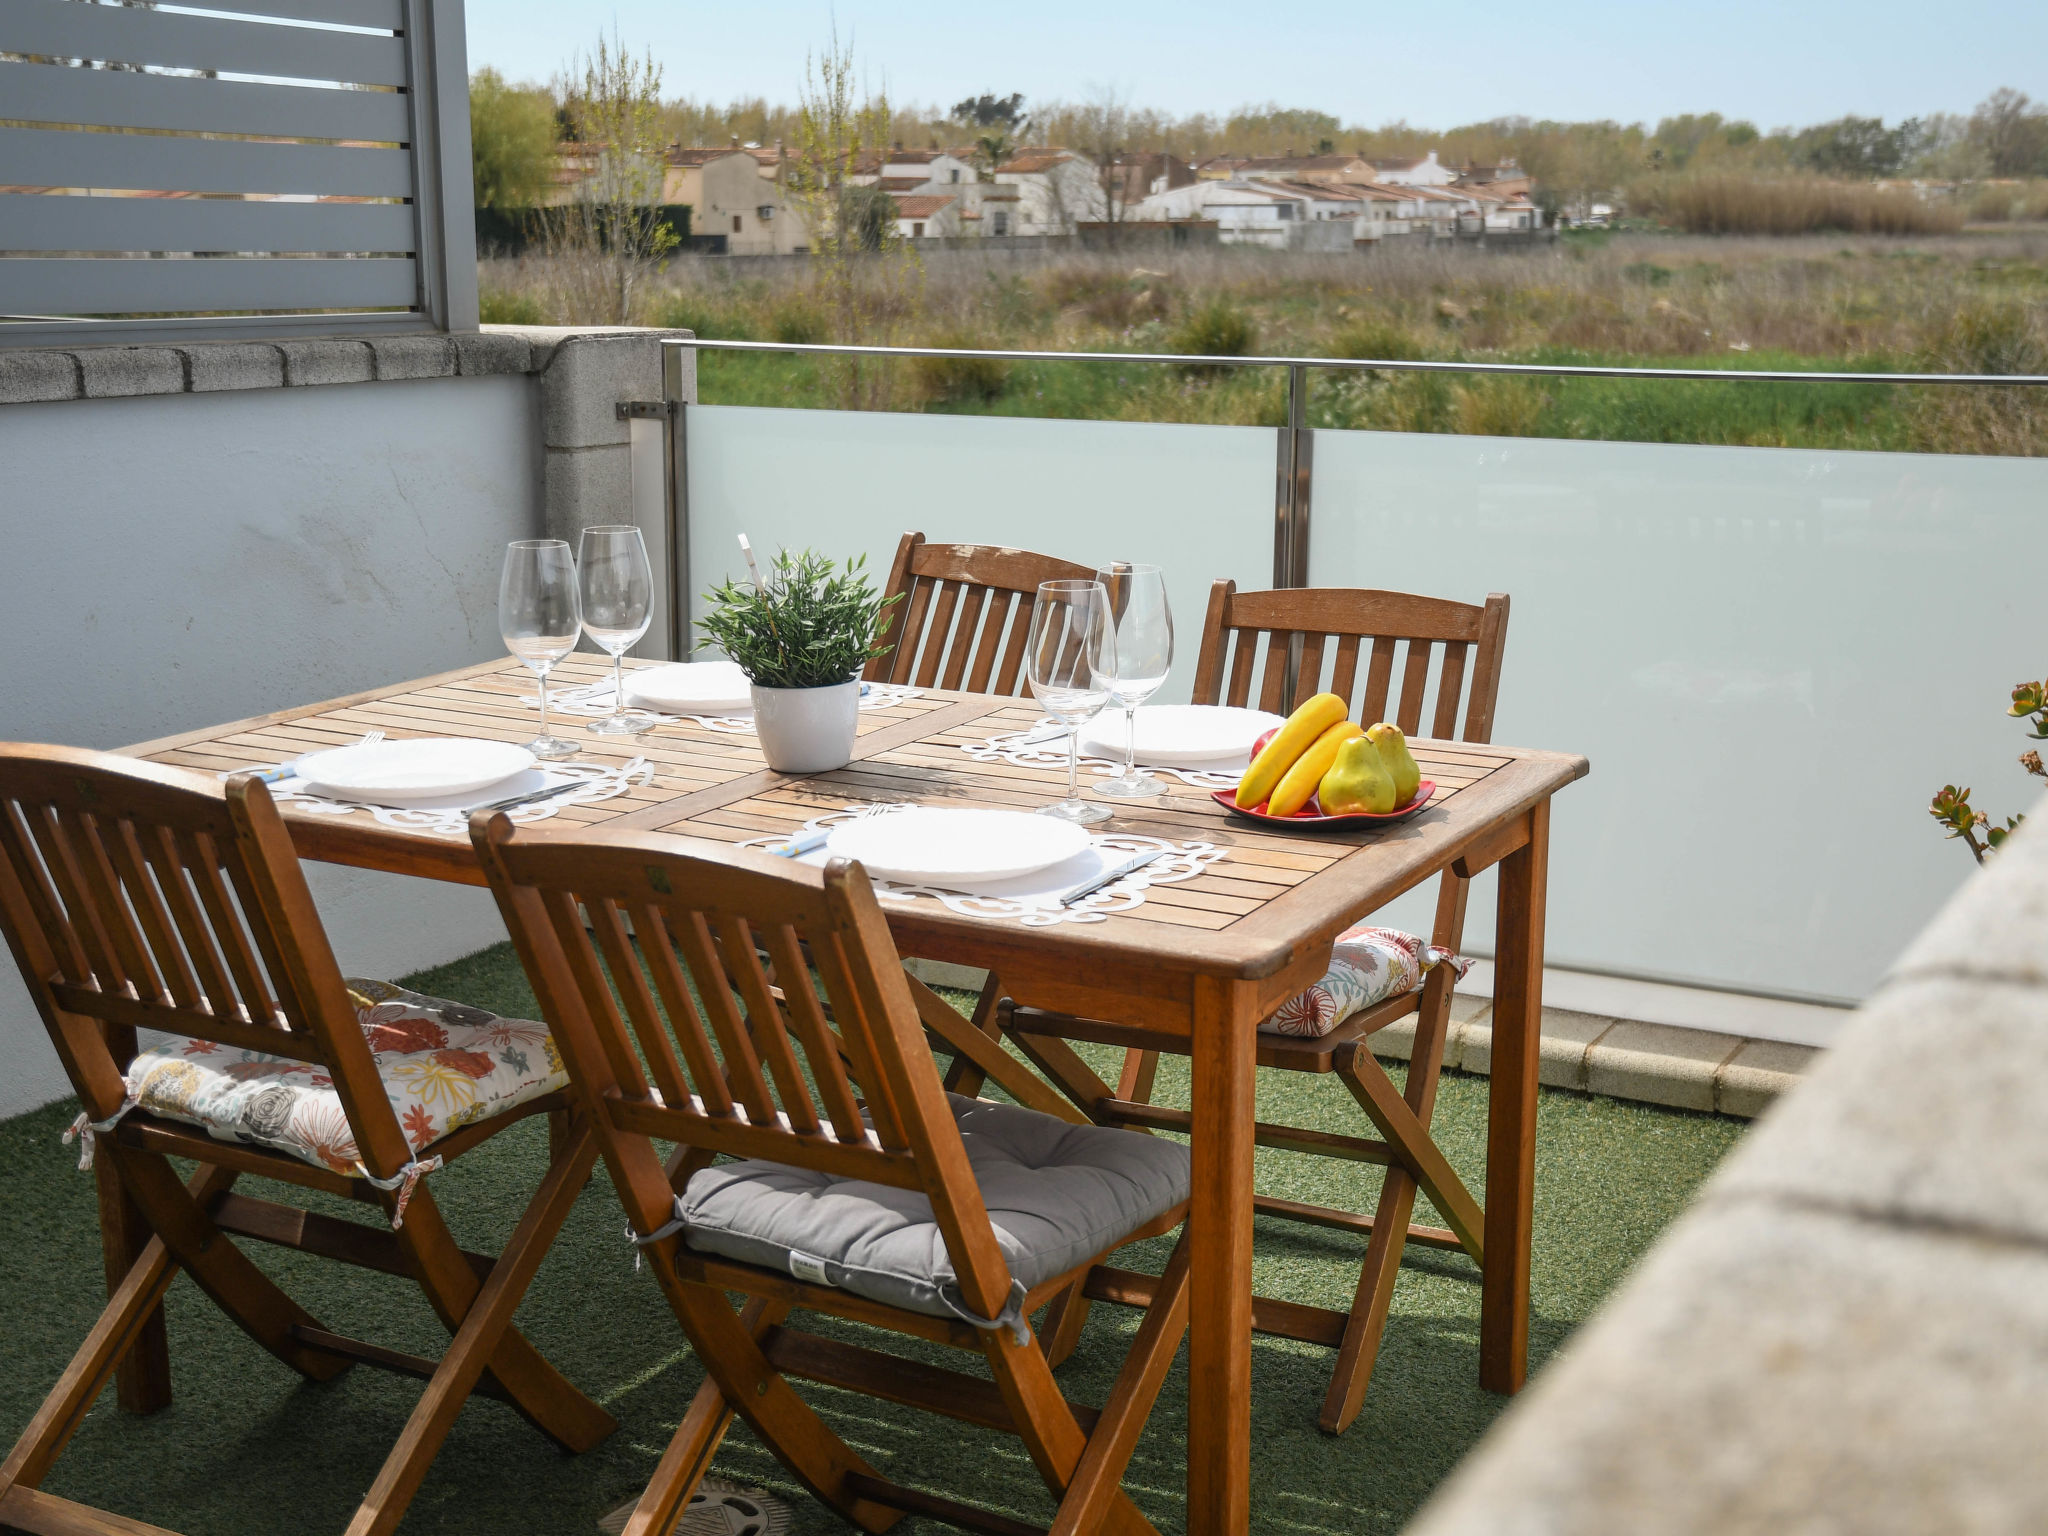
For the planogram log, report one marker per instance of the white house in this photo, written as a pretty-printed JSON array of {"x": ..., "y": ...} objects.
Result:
[
  {"x": 927, "y": 216},
  {"x": 1245, "y": 212},
  {"x": 1426, "y": 172},
  {"x": 1056, "y": 189},
  {"x": 914, "y": 170}
]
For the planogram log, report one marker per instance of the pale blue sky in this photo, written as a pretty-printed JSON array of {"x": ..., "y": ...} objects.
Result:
[{"x": 1436, "y": 65}]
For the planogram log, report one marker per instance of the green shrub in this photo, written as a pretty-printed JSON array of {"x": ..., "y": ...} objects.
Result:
[
  {"x": 1378, "y": 338},
  {"x": 954, "y": 380},
  {"x": 1217, "y": 328},
  {"x": 497, "y": 307},
  {"x": 817, "y": 624},
  {"x": 689, "y": 312},
  {"x": 799, "y": 322}
]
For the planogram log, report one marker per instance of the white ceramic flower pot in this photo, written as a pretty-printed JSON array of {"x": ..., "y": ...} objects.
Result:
[{"x": 807, "y": 730}]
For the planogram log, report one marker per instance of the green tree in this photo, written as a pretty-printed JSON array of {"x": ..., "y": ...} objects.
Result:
[
  {"x": 512, "y": 141},
  {"x": 2012, "y": 130}
]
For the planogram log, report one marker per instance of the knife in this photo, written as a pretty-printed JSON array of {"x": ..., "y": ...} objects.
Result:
[
  {"x": 535, "y": 795},
  {"x": 1110, "y": 877}
]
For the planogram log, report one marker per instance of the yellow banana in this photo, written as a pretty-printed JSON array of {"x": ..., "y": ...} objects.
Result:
[
  {"x": 1300, "y": 781},
  {"x": 1308, "y": 722}
]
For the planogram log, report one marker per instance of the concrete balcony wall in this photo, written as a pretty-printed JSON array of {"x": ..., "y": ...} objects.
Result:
[{"x": 202, "y": 533}]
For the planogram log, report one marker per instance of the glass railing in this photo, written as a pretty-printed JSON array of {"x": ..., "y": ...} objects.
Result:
[{"x": 1772, "y": 657}]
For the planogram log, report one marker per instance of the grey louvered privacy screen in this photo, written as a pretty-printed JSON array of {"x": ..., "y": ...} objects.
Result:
[{"x": 296, "y": 167}]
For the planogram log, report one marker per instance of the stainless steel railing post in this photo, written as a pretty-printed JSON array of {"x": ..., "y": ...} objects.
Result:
[
  {"x": 1291, "y": 504},
  {"x": 678, "y": 384}
]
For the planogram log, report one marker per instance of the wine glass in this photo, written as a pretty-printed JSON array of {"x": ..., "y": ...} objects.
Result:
[
  {"x": 618, "y": 601},
  {"x": 1070, "y": 660},
  {"x": 540, "y": 618},
  {"x": 1144, "y": 654}
]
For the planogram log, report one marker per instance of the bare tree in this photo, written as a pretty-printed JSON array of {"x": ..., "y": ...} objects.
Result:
[
  {"x": 608, "y": 241},
  {"x": 1101, "y": 128}
]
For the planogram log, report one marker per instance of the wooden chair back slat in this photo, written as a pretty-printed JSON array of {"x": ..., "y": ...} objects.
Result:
[
  {"x": 1414, "y": 683},
  {"x": 1379, "y": 677},
  {"x": 1309, "y": 680},
  {"x": 142, "y": 896},
  {"x": 684, "y": 1020},
  {"x": 1452, "y": 684},
  {"x": 783, "y": 1085},
  {"x": 972, "y": 601},
  {"x": 1241, "y": 626},
  {"x": 820, "y": 1046},
  {"x": 61, "y": 861},
  {"x": 203, "y": 864},
  {"x": 764, "y": 1017},
  {"x": 1013, "y": 650},
  {"x": 699, "y": 953},
  {"x": 835, "y": 970},
  {"x": 989, "y": 641},
  {"x": 179, "y": 981},
  {"x": 657, "y": 1046},
  {"x": 1344, "y": 674},
  {"x": 958, "y": 603},
  {"x": 166, "y": 863}
]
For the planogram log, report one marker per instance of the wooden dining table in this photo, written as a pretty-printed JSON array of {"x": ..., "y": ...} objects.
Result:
[{"x": 1202, "y": 960}]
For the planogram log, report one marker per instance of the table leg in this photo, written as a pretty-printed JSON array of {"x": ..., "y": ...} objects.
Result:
[
  {"x": 1511, "y": 1110},
  {"x": 1220, "y": 1259}
]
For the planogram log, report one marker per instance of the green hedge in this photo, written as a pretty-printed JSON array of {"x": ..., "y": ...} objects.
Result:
[{"x": 508, "y": 231}]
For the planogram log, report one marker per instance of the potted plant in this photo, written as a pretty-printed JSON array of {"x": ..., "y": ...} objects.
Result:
[{"x": 802, "y": 637}]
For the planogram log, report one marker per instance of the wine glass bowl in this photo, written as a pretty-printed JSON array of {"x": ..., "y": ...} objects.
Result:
[
  {"x": 1070, "y": 662},
  {"x": 1143, "y": 621},
  {"x": 617, "y": 585},
  {"x": 540, "y": 616}
]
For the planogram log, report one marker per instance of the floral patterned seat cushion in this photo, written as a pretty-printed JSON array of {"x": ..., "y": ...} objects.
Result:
[
  {"x": 1367, "y": 966},
  {"x": 444, "y": 1065}
]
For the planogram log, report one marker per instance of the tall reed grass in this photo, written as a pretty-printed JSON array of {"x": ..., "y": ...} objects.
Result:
[{"x": 1804, "y": 205}]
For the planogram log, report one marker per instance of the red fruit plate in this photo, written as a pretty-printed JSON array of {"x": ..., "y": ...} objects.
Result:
[{"x": 1310, "y": 817}]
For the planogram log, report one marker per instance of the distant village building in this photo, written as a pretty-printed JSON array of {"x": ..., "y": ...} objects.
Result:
[{"x": 1326, "y": 202}]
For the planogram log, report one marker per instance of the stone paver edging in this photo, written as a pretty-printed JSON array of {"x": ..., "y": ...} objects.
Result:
[{"x": 1623, "y": 1058}]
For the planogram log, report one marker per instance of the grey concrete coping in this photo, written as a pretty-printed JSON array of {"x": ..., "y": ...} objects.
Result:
[
  {"x": 33, "y": 375},
  {"x": 1848, "y": 1332},
  {"x": 1623, "y": 1058}
]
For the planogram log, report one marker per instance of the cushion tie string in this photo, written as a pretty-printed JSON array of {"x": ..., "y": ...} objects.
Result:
[
  {"x": 403, "y": 1181},
  {"x": 1011, "y": 1317},
  {"x": 668, "y": 1228},
  {"x": 85, "y": 1131}
]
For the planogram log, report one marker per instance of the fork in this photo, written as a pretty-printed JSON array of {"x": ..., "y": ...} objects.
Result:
[
  {"x": 287, "y": 769},
  {"x": 808, "y": 841}
]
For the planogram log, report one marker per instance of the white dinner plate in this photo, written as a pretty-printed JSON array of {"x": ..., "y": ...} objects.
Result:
[
  {"x": 1175, "y": 735},
  {"x": 400, "y": 771},
  {"x": 690, "y": 688},
  {"x": 935, "y": 847}
]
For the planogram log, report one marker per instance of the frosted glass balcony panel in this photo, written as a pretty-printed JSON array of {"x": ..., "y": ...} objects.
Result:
[{"x": 1772, "y": 658}]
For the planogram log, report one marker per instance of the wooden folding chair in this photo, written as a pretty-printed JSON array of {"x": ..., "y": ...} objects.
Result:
[
  {"x": 1323, "y": 634},
  {"x": 965, "y": 614},
  {"x": 143, "y": 897},
  {"x": 825, "y": 1095}
]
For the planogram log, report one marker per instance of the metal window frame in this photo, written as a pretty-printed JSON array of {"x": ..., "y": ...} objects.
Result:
[{"x": 437, "y": 61}]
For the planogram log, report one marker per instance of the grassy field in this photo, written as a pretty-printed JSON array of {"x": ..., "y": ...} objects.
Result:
[{"x": 1974, "y": 302}]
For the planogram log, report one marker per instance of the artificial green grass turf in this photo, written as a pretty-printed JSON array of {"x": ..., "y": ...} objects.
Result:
[{"x": 248, "y": 1448}]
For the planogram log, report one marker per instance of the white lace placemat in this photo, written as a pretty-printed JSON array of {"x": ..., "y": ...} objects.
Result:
[
  {"x": 1034, "y": 899},
  {"x": 1010, "y": 748},
  {"x": 589, "y": 701},
  {"x": 449, "y": 816}
]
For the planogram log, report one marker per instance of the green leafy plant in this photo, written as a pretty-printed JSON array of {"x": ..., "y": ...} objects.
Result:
[
  {"x": 1952, "y": 806},
  {"x": 816, "y": 625}
]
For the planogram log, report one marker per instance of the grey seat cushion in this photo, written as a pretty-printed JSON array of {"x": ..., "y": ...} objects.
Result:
[{"x": 1057, "y": 1195}]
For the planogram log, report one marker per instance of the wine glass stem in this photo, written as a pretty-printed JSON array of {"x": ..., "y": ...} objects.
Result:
[
  {"x": 618, "y": 684},
  {"x": 1074, "y": 763},
  {"x": 1130, "y": 742},
  {"x": 543, "y": 703}
]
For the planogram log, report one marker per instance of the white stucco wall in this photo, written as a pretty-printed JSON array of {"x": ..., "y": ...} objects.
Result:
[{"x": 179, "y": 560}]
